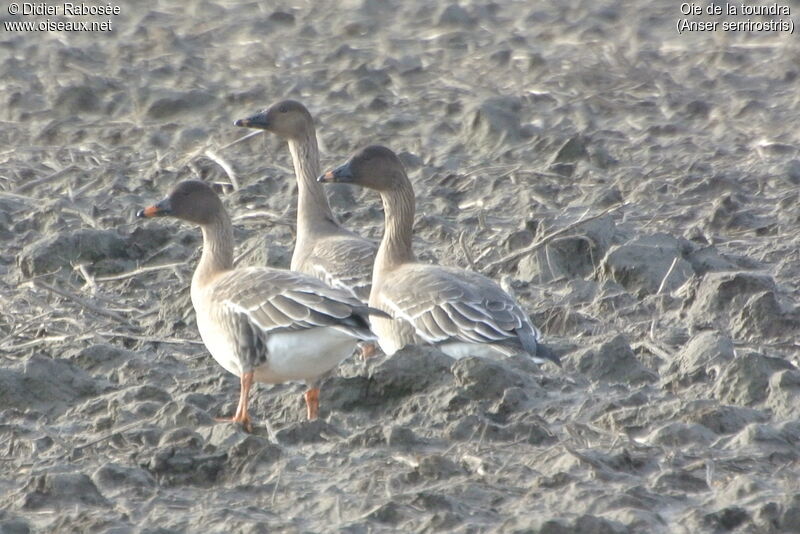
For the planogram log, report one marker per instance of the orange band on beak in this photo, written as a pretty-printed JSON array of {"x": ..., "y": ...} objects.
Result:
[
  {"x": 327, "y": 177},
  {"x": 150, "y": 211}
]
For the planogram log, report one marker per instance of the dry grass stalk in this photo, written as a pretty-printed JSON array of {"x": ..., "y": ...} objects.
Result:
[
  {"x": 225, "y": 167},
  {"x": 548, "y": 238}
]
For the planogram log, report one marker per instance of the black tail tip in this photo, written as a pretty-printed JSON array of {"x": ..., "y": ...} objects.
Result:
[{"x": 543, "y": 352}]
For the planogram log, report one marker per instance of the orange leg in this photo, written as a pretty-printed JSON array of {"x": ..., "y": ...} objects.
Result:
[
  {"x": 312, "y": 403},
  {"x": 241, "y": 416},
  {"x": 366, "y": 350}
]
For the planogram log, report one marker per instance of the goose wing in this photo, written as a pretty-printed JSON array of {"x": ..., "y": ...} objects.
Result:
[
  {"x": 444, "y": 304},
  {"x": 256, "y": 302},
  {"x": 343, "y": 262}
]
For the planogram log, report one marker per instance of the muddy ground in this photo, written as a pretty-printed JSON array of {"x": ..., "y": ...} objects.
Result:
[{"x": 669, "y": 161}]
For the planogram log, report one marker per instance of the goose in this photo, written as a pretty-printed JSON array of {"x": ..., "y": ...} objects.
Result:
[
  {"x": 262, "y": 324},
  {"x": 324, "y": 249},
  {"x": 461, "y": 312}
]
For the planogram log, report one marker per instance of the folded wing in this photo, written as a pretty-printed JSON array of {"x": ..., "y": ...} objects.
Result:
[
  {"x": 258, "y": 302},
  {"x": 449, "y": 304}
]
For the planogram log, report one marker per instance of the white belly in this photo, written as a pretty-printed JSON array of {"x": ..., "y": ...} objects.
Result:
[
  {"x": 304, "y": 355},
  {"x": 458, "y": 350}
]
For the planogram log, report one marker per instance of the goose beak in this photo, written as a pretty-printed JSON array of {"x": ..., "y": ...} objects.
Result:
[
  {"x": 340, "y": 175},
  {"x": 258, "y": 121},
  {"x": 326, "y": 178},
  {"x": 159, "y": 209}
]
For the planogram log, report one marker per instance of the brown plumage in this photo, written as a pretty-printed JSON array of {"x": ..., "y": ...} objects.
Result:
[
  {"x": 461, "y": 312},
  {"x": 324, "y": 249},
  {"x": 262, "y": 324}
]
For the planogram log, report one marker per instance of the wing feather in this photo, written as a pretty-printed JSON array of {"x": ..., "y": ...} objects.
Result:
[
  {"x": 343, "y": 262},
  {"x": 449, "y": 304},
  {"x": 289, "y": 307},
  {"x": 431, "y": 328},
  {"x": 444, "y": 321},
  {"x": 275, "y": 300}
]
